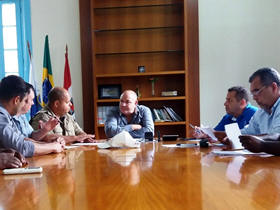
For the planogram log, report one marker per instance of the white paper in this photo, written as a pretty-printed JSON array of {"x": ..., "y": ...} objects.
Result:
[
  {"x": 104, "y": 145},
  {"x": 237, "y": 152},
  {"x": 233, "y": 133},
  {"x": 209, "y": 132},
  {"x": 70, "y": 147}
]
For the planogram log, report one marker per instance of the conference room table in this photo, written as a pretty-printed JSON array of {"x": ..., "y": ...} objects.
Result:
[{"x": 150, "y": 177}]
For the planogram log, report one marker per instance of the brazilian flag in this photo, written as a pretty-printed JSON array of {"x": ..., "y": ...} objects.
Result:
[{"x": 47, "y": 73}]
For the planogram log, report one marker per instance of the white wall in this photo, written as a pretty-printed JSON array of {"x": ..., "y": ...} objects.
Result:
[
  {"x": 236, "y": 38},
  {"x": 60, "y": 20}
]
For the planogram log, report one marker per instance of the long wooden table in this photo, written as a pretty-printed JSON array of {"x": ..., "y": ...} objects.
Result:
[{"x": 151, "y": 177}]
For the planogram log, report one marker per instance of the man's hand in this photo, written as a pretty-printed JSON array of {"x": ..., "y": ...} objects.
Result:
[
  {"x": 57, "y": 147},
  {"x": 136, "y": 126},
  {"x": 86, "y": 138},
  {"x": 252, "y": 143},
  {"x": 49, "y": 125},
  {"x": 61, "y": 141},
  {"x": 197, "y": 133},
  {"x": 10, "y": 158}
]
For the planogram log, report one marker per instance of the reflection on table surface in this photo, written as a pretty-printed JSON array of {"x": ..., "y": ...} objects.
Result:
[{"x": 151, "y": 177}]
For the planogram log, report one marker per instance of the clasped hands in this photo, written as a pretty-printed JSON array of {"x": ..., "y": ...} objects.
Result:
[{"x": 9, "y": 158}]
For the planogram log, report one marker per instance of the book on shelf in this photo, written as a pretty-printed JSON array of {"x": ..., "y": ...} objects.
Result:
[
  {"x": 166, "y": 114},
  {"x": 156, "y": 116},
  {"x": 173, "y": 115},
  {"x": 103, "y": 111},
  {"x": 178, "y": 118}
]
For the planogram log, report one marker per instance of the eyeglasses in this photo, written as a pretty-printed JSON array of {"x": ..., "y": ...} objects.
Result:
[{"x": 257, "y": 92}]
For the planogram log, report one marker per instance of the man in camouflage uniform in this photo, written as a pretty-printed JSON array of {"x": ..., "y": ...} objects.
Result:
[{"x": 58, "y": 107}]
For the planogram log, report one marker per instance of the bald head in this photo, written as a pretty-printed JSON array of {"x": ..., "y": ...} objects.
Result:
[
  {"x": 128, "y": 102},
  {"x": 130, "y": 93},
  {"x": 59, "y": 101},
  {"x": 57, "y": 93}
]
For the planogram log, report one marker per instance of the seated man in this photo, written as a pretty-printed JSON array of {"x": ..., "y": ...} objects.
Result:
[
  {"x": 24, "y": 126},
  {"x": 133, "y": 118},
  {"x": 58, "y": 107},
  {"x": 10, "y": 158},
  {"x": 13, "y": 94},
  {"x": 238, "y": 109},
  {"x": 265, "y": 88}
]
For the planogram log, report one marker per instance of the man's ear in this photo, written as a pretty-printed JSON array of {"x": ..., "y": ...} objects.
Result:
[
  {"x": 275, "y": 87},
  {"x": 136, "y": 102},
  {"x": 56, "y": 103},
  {"x": 16, "y": 100},
  {"x": 243, "y": 103}
]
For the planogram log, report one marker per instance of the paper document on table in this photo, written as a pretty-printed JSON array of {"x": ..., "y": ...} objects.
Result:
[
  {"x": 233, "y": 133},
  {"x": 237, "y": 152},
  {"x": 70, "y": 147},
  {"x": 209, "y": 132}
]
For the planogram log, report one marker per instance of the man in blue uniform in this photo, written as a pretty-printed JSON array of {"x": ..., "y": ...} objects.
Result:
[{"x": 238, "y": 109}]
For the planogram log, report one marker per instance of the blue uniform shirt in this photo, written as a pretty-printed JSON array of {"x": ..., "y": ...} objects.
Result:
[{"x": 241, "y": 120}]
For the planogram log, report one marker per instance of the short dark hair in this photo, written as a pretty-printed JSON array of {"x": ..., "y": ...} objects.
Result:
[
  {"x": 12, "y": 86},
  {"x": 29, "y": 87},
  {"x": 267, "y": 76},
  {"x": 240, "y": 93},
  {"x": 55, "y": 93}
]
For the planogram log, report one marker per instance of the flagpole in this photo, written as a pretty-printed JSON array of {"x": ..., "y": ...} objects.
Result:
[
  {"x": 67, "y": 84},
  {"x": 32, "y": 80}
]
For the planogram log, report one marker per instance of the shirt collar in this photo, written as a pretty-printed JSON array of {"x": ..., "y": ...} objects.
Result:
[
  {"x": 242, "y": 114},
  {"x": 16, "y": 117},
  {"x": 275, "y": 105},
  {"x": 5, "y": 112},
  {"x": 49, "y": 110}
]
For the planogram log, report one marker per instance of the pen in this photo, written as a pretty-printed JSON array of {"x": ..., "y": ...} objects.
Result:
[
  {"x": 59, "y": 120},
  {"x": 55, "y": 117},
  {"x": 192, "y": 126},
  {"x": 186, "y": 145},
  {"x": 188, "y": 139},
  {"x": 195, "y": 128}
]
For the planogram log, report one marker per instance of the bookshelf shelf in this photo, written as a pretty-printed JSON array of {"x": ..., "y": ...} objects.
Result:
[
  {"x": 161, "y": 73},
  {"x": 169, "y": 123},
  {"x": 139, "y": 29},
  {"x": 136, "y": 6},
  {"x": 144, "y": 99},
  {"x": 156, "y": 124},
  {"x": 139, "y": 52}
]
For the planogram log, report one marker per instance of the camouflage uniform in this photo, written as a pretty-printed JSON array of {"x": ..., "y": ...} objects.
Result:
[{"x": 67, "y": 127}]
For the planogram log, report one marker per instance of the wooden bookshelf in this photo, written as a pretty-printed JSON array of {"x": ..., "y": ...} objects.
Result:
[{"x": 161, "y": 35}]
